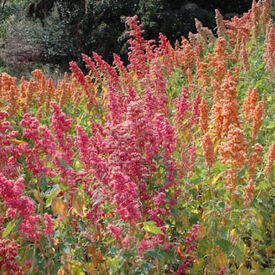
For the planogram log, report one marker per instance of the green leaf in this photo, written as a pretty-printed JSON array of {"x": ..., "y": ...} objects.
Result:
[
  {"x": 54, "y": 191},
  {"x": 49, "y": 201},
  {"x": 100, "y": 196},
  {"x": 95, "y": 192},
  {"x": 127, "y": 254},
  {"x": 202, "y": 247},
  {"x": 153, "y": 253},
  {"x": 193, "y": 218},
  {"x": 222, "y": 233},
  {"x": 221, "y": 204},
  {"x": 224, "y": 245},
  {"x": 193, "y": 192},
  {"x": 44, "y": 241},
  {"x": 271, "y": 125},
  {"x": 262, "y": 185},
  {"x": 8, "y": 229},
  {"x": 115, "y": 263},
  {"x": 258, "y": 69},
  {"x": 43, "y": 183},
  {"x": 33, "y": 260},
  {"x": 239, "y": 250},
  {"x": 152, "y": 228},
  {"x": 18, "y": 222},
  {"x": 256, "y": 235},
  {"x": 267, "y": 271},
  {"x": 6, "y": 102},
  {"x": 64, "y": 164}
]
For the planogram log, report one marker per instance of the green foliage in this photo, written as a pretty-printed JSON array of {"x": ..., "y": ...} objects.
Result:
[
  {"x": 61, "y": 30},
  {"x": 235, "y": 232}
]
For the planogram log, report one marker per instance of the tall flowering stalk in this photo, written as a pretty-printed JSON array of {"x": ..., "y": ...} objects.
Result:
[
  {"x": 257, "y": 119},
  {"x": 184, "y": 55},
  {"x": 253, "y": 161},
  {"x": 136, "y": 54},
  {"x": 201, "y": 74},
  {"x": 8, "y": 164},
  {"x": 194, "y": 119},
  {"x": 167, "y": 51},
  {"x": 90, "y": 65},
  {"x": 256, "y": 17},
  {"x": 220, "y": 24},
  {"x": 233, "y": 153},
  {"x": 203, "y": 117},
  {"x": 125, "y": 177},
  {"x": 205, "y": 33},
  {"x": 79, "y": 75},
  {"x": 244, "y": 56},
  {"x": 230, "y": 105},
  {"x": 105, "y": 69},
  {"x": 182, "y": 105},
  {"x": 238, "y": 24},
  {"x": 216, "y": 113},
  {"x": 270, "y": 159},
  {"x": 154, "y": 85},
  {"x": 208, "y": 150},
  {"x": 218, "y": 60},
  {"x": 266, "y": 11},
  {"x": 206, "y": 140},
  {"x": 269, "y": 55},
  {"x": 249, "y": 103}
]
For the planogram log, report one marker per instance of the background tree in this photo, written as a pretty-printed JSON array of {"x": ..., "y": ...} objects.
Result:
[{"x": 58, "y": 31}]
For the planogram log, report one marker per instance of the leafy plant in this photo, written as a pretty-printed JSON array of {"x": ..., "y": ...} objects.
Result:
[{"x": 165, "y": 165}]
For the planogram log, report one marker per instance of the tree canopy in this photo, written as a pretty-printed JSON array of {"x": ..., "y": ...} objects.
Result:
[{"x": 60, "y": 30}]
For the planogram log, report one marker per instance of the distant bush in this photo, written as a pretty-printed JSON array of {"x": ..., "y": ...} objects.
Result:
[{"x": 61, "y": 30}]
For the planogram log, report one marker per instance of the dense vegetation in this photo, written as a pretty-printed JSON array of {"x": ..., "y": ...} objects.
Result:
[
  {"x": 58, "y": 31},
  {"x": 163, "y": 166}
]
